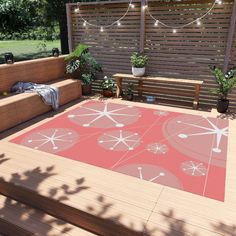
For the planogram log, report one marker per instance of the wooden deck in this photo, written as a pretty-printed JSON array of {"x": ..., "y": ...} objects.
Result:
[{"x": 86, "y": 196}]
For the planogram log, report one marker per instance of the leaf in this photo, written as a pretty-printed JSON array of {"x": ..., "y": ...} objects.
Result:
[
  {"x": 79, "y": 50},
  {"x": 72, "y": 66}
]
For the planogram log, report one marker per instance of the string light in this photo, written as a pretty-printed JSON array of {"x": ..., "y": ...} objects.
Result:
[
  {"x": 174, "y": 28},
  {"x": 77, "y": 10},
  {"x": 102, "y": 27},
  {"x": 156, "y": 23},
  {"x": 144, "y": 7},
  {"x": 131, "y": 5}
]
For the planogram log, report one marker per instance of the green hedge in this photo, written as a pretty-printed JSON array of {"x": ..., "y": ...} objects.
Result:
[{"x": 39, "y": 33}]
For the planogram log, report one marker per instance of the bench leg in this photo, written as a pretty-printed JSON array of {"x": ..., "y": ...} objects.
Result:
[
  {"x": 119, "y": 91},
  {"x": 140, "y": 93},
  {"x": 196, "y": 98}
]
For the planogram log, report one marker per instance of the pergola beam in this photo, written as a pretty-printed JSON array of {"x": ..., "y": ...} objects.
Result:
[
  {"x": 103, "y": 2},
  {"x": 230, "y": 38},
  {"x": 142, "y": 26},
  {"x": 68, "y": 15}
]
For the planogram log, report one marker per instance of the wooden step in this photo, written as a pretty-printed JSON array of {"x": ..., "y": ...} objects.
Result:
[
  {"x": 98, "y": 200},
  {"x": 21, "y": 220}
]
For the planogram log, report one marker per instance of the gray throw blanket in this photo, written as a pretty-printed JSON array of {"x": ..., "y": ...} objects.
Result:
[{"x": 49, "y": 94}]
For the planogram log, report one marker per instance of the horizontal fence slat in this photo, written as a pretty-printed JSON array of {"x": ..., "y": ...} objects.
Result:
[{"x": 184, "y": 55}]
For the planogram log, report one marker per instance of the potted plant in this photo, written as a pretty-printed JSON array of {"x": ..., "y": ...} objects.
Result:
[
  {"x": 129, "y": 92},
  {"x": 83, "y": 66},
  {"x": 107, "y": 86},
  {"x": 86, "y": 80},
  {"x": 139, "y": 61},
  {"x": 225, "y": 82}
]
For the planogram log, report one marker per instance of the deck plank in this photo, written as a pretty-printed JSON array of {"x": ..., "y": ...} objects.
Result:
[
  {"x": 129, "y": 206},
  {"x": 35, "y": 222}
]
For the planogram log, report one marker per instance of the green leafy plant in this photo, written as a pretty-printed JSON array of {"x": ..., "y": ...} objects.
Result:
[
  {"x": 86, "y": 78},
  {"x": 89, "y": 65},
  {"x": 129, "y": 89},
  {"x": 225, "y": 81},
  {"x": 82, "y": 60},
  {"x": 79, "y": 50},
  {"x": 72, "y": 66},
  {"x": 139, "y": 60},
  {"x": 107, "y": 84}
]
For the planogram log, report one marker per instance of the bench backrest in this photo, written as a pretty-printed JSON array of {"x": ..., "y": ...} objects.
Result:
[{"x": 37, "y": 71}]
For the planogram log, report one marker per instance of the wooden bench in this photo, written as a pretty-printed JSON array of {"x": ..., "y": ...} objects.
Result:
[
  {"x": 18, "y": 108},
  {"x": 170, "y": 81}
]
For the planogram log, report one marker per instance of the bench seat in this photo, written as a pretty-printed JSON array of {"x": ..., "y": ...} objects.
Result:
[
  {"x": 157, "y": 81},
  {"x": 18, "y": 108}
]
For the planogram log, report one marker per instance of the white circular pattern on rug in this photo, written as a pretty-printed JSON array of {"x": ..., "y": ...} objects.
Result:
[
  {"x": 194, "y": 168},
  {"x": 161, "y": 113},
  {"x": 119, "y": 140},
  {"x": 199, "y": 137},
  {"x": 51, "y": 140},
  {"x": 152, "y": 173},
  {"x": 157, "y": 148},
  {"x": 104, "y": 115}
]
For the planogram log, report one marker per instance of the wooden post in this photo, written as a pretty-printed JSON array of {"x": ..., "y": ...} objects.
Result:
[
  {"x": 68, "y": 14},
  {"x": 230, "y": 38},
  {"x": 142, "y": 26}
]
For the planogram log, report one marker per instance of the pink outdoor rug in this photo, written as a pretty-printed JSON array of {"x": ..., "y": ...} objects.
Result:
[{"x": 186, "y": 152}]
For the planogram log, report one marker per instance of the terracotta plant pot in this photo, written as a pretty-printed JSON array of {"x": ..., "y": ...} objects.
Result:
[
  {"x": 222, "y": 105},
  {"x": 86, "y": 89},
  {"x": 107, "y": 93}
]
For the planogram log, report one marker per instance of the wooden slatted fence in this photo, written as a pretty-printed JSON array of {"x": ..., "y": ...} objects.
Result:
[{"x": 185, "y": 54}]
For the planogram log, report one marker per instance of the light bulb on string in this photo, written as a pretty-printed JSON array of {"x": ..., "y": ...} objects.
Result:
[
  {"x": 144, "y": 7},
  {"x": 85, "y": 23},
  {"x": 118, "y": 23},
  {"x": 101, "y": 29},
  {"x": 156, "y": 23},
  {"x": 198, "y": 22},
  {"x": 131, "y": 5},
  {"x": 174, "y": 31},
  {"x": 219, "y": 2},
  {"x": 76, "y": 10}
]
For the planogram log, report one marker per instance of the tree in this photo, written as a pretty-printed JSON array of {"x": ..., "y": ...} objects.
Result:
[
  {"x": 56, "y": 12},
  {"x": 19, "y": 15}
]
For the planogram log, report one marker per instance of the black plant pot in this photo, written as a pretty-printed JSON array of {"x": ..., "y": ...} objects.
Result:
[
  {"x": 222, "y": 105},
  {"x": 130, "y": 97}
]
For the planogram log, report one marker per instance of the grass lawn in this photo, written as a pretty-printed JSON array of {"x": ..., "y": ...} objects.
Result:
[{"x": 27, "y": 49}]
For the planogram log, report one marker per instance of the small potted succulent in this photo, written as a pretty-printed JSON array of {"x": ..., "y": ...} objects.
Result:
[
  {"x": 83, "y": 66},
  {"x": 139, "y": 61},
  {"x": 225, "y": 82},
  {"x": 129, "y": 92},
  {"x": 107, "y": 86}
]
